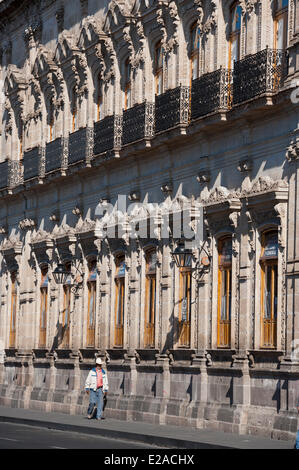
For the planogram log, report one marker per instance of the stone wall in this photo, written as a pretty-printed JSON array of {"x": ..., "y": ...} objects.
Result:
[{"x": 165, "y": 394}]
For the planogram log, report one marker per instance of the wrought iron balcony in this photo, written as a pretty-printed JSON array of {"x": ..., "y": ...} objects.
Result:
[
  {"x": 172, "y": 109},
  {"x": 107, "y": 135},
  {"x": 4, "y": 168},
  {"x": 80, "y": 146},
  {"x": 138, "y": 123},
  {"x": 211, "y": 92},
  {"x": 15, "y": 173},
  {"x": 32, "y": 163},
  {"x": 259, "y": 73},
  {"x": 56, "y": 155}
]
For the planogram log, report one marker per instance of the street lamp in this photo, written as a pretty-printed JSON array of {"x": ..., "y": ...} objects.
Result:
[
  {"x": 60, "y": 274},
  {"x": 182, "y": 257}
]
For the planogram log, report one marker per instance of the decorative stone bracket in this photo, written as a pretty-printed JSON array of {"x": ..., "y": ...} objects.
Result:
[
  {"x": 221, "y": 210},
  {"x": 12, "y": 251},
  {"x": 89, "y": 237},
  {"x": 42, "y": 246}
]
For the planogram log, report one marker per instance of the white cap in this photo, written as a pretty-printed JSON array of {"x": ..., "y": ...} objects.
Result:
[{"x": 99, "y": 361}]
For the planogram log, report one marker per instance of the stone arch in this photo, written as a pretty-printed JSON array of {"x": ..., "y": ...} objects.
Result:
[
  {"x": 73, "y": 65},
  {"x": 50, "y": 79},
  {"x": 15, "y": 86},
  {"x": 100, "y": 57}
]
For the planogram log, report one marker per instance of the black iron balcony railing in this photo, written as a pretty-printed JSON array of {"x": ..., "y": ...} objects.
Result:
[
  {"x": 107, "y": 134},
  {"x": 15, "y": 173},
  {"x": 32, "y": 163},
  {"x": 56, "y": 155},
  {"x": 80, "y": 146},
  {"x": 4, "y": 169},
  {"x": 172, "y": 109},
  {"x": 259, "y": 73},
  {"x": 11, "y": 174},
  {"x": 138, "y": 123},
  {"x": 211, "y": 92}
]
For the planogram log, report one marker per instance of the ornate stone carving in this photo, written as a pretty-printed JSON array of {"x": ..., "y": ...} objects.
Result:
[
  {"x": 65, "y": 238},
  {"x": 32, "y": 34},
  {"x": 245, "y": 165},
  {"x": 15, "y": 86},
  {"x": 11, "y": 249},
  {"x": 167, "y": 188},
  {"x": 42, "y": 245},
  {"x": 49, "y": 77},
  {"x": 134, "y": 196},
  {"x": 203, "y": 176},
  {"x": 73, "y": 64},
  {"x": 292, "y": 152},
  {"x": 77, "y": 211},
  {"x": 220, "y": 194},
  {"x": 248, "y": 6},
  {"x": 265, "y": 184},
  {"x": 54, "y": 217},
  {"x": 27, "y": 224}
]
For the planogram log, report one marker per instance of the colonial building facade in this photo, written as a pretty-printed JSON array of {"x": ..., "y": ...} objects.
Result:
[{"x": 169, "y": 104}]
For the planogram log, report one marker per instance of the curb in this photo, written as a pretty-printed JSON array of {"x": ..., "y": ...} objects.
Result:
[{"x": 159, "y": 441}]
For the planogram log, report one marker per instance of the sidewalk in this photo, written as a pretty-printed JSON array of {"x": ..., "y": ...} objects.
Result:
[{"x": 162, "y": 436}]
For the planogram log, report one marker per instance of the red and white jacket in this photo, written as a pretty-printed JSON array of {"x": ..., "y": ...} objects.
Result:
[{"x": 91, "y": 381}]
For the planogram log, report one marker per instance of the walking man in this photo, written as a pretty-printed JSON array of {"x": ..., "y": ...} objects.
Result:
[{"x": 96, "y": 386}]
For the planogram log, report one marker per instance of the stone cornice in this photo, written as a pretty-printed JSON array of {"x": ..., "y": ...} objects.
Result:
[{"x": 266, "y": 192}]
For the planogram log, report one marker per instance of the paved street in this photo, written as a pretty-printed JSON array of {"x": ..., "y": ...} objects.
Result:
[
  {"x": 75, "y": 430},
  {"x": 15, "y": 436}
]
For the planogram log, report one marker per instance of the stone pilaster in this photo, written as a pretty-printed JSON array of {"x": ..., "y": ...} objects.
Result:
[
  {"x": 28, "y": 376},
  {"x": 245, "y": 286},
  {"x": 105, "y": 313},
  {"x": 292, "y": 268},
  {"x": 131, "y": 378},
  {"x": 52, "y": 382},
  {"x": 200, "y": 393},
  {"x": 163, "y": 385},
  {"x": 77, "y": 382},
  {"x": 133, "y": 288},
  {"x": 167, "y": 314}
]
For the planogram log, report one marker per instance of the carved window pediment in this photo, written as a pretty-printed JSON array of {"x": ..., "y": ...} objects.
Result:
[
  {"x": 12, "y": 250},
  {"x": 222, "y": 200},
  {"x": 49, "y": 77},
  {"x": 44, "y": 63},
  {"x": 89, "y": 237},
  {"x": 221, "y": 210},
  {"x": 220, "y": 207},
  {"x": 15, "y": 86},
  {"x": 90, "y": 35},
  {"x": 204, "y": 13},
  {"x": 73, "y": 64},
  {"x": 41, "y": 241},
  {"x": 117, "y": 15},
  {"x": 42, "y": 246},
  {"x": 65, "y": 240},
  {"x": 15, "y": 80},
  {"x": 266, "y": 193}
]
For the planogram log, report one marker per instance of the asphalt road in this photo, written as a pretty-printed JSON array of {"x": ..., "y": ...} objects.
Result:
[{"x": 15, "y": 436}]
